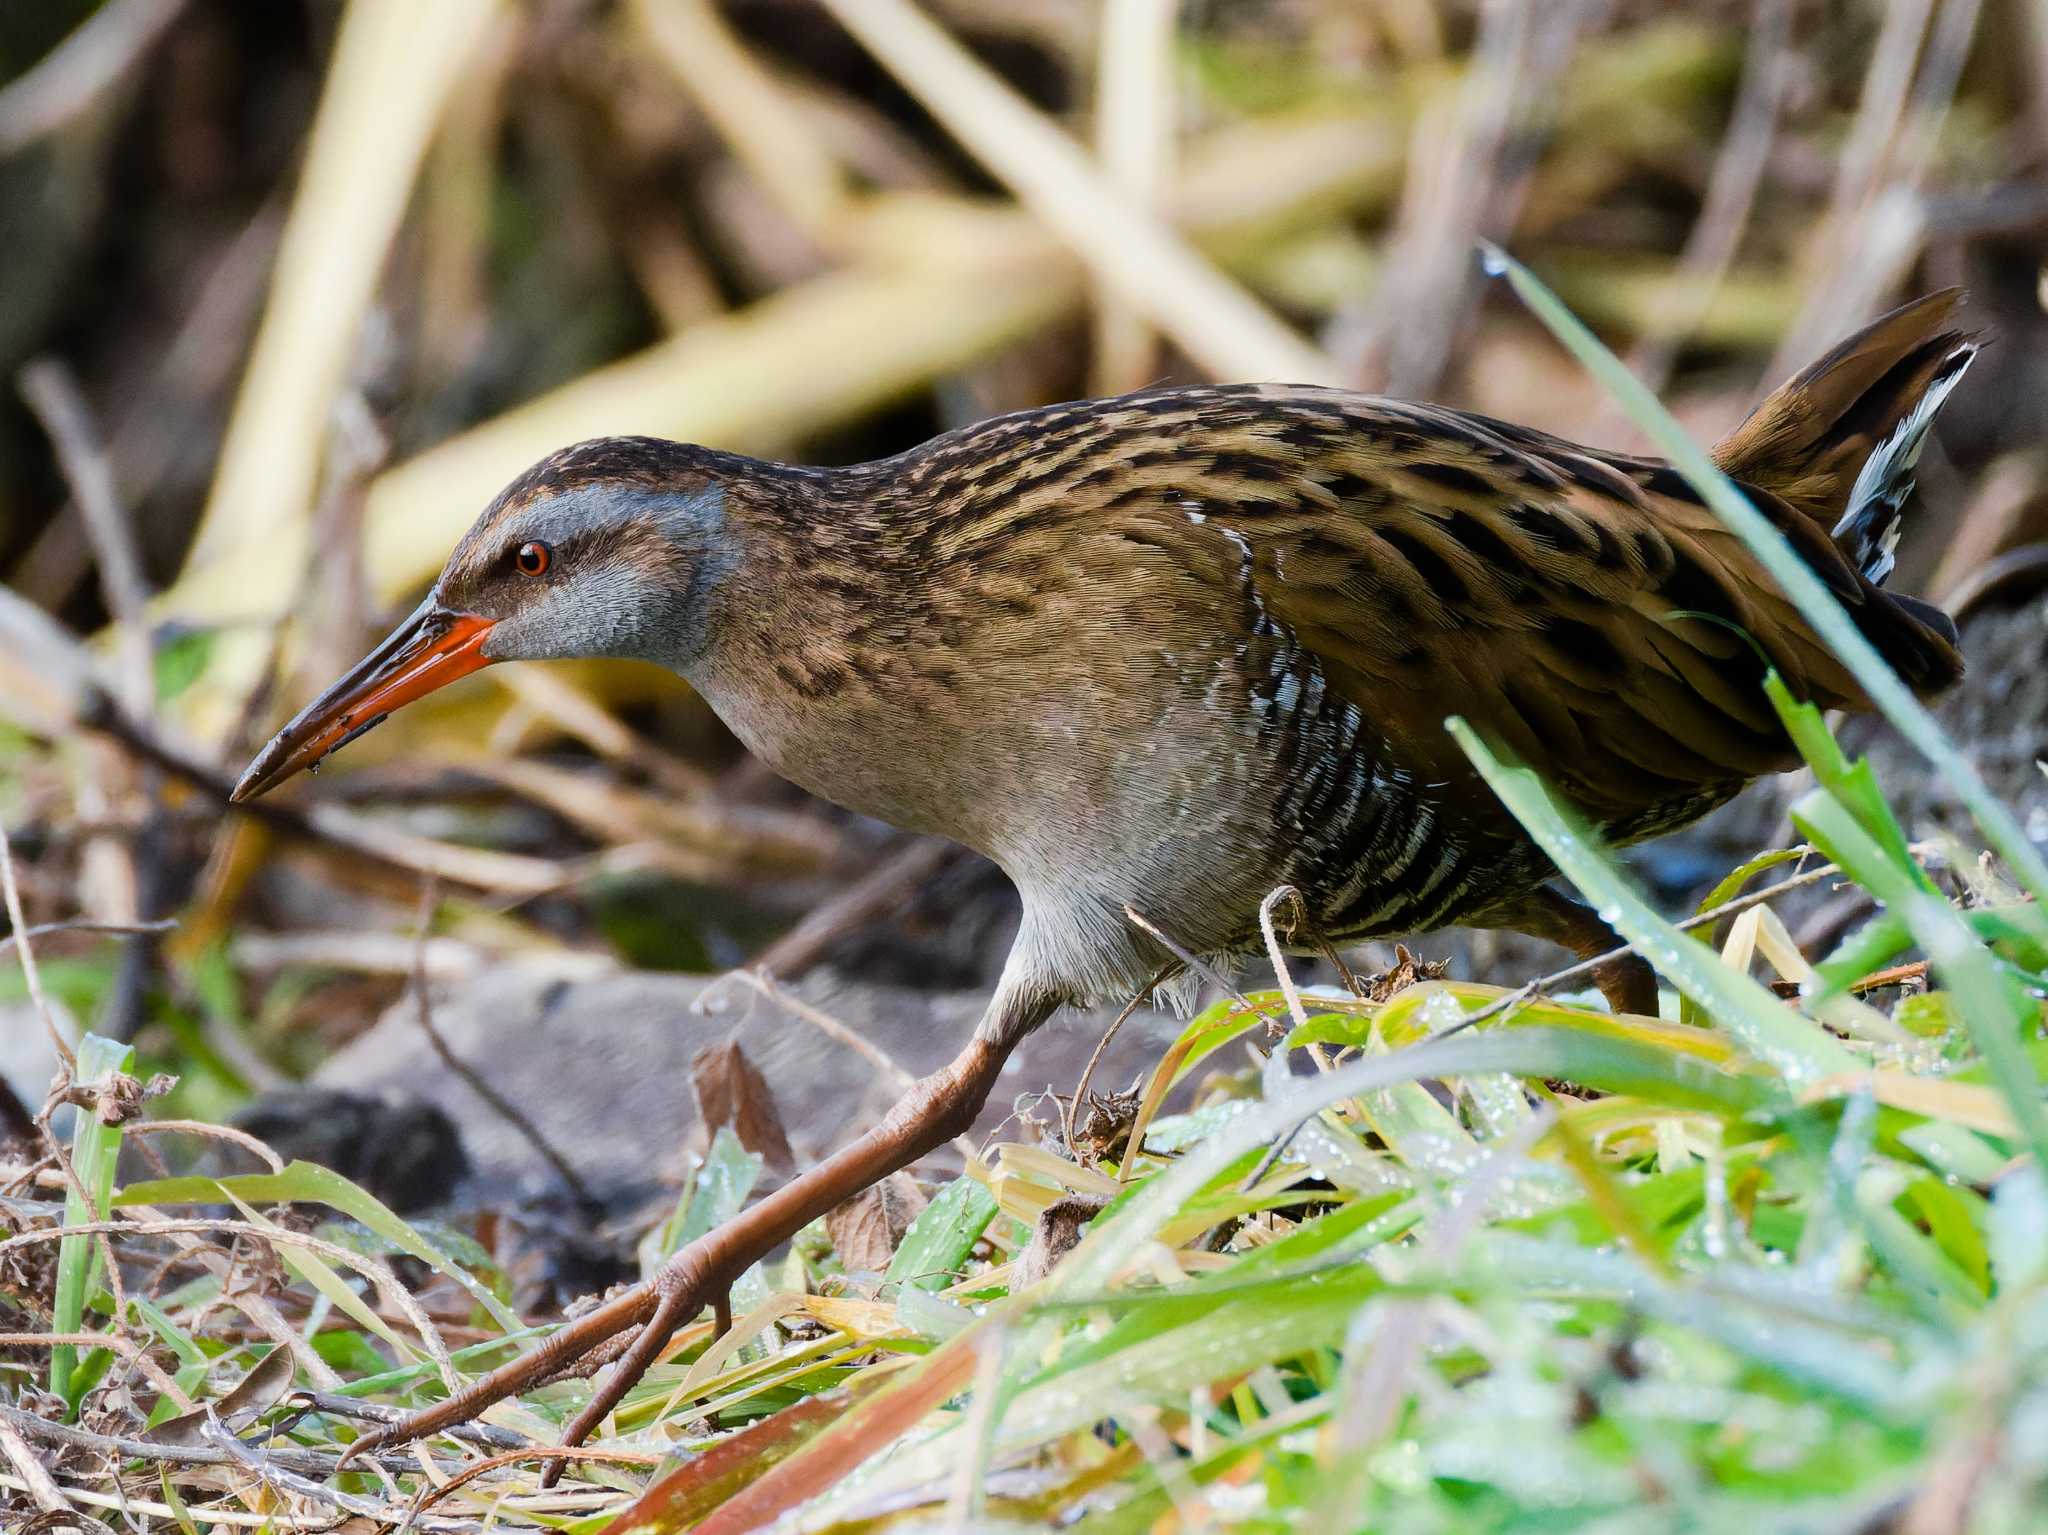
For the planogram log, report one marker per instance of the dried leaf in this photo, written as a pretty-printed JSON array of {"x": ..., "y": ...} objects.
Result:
[
  {"x": 260, "y": 1388},
  {"x": 1406, "y": 971},
  {"x": 731, "y": 1091},
  {"x": 866, "y": 1230},
  {"x": 1057, "y": 1233}
]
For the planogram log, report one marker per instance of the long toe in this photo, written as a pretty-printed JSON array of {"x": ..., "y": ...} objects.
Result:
[
  {"x": 559, "y": 1351},
  {"x": 679, "y": 1300}
]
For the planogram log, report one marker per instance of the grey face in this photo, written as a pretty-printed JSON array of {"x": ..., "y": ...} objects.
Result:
[{"x": 601, "y": 568}]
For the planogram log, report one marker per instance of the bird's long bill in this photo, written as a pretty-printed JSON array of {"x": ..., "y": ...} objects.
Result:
[{"x": 429, "y": 650}]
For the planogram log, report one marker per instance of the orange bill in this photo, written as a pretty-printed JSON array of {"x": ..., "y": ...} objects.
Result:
[{"x": 429, "y": 650}]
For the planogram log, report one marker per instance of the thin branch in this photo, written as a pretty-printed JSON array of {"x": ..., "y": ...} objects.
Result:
[
  {"x": 429, "y": 1496},
  {"x": 477, "y": 868},
  {"x": 892, "y": 882},
  {"x": 135, "y": 1354},
  {"x": 484, "y": 1434},
  {"x": 84, "y": 925},
  {"x": 18, "y": 921},
  {"x": 269, "y": 1469},
  {"x": 1073, "y": 1105},
  {"x": 1192, "y": 961},
  {"x": 49, "y": 390},
  {"x": 1586, "y": 967},
  {"x": 1731, "y": 190},
  {"x": 42, "y": 1487},
  {"x": 199, "y": 1127},
  {"x": 504, "y": 1107},
  {"x": 831, "y": 1028}
]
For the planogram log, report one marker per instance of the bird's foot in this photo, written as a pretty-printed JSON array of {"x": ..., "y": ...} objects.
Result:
[
  {"x": 645, "y": 1317},
  {"x": 657, "y": 1307}
]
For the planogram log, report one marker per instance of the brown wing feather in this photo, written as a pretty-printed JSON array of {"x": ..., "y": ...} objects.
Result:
[
  {"x": 1811, "y": 436},
  {"x": 1547, "y": 593},
  {"x": 1436, "y": 562}
]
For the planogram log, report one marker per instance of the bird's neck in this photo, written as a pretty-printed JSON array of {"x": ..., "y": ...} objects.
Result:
[{"x": 834, "y": 654}]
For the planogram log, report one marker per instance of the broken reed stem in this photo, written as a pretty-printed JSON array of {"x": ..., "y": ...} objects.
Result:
[{"x": 49, "y": 390}]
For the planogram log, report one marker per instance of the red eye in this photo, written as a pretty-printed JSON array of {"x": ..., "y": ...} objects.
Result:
[{"x": 532, "y": 559}]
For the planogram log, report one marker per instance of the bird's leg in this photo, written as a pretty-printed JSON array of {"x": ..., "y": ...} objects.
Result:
[
  {"x": 1625, "y": 980},
  {"x": 934, "y": 1110}
]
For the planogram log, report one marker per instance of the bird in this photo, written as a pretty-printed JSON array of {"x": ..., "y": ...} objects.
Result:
[{"x": 1165, "y": 653}]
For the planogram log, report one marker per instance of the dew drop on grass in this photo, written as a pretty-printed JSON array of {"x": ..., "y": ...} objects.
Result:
[
  {"x": 1714, "y": 1229},
  {"x": 1440, "y": 1011}
]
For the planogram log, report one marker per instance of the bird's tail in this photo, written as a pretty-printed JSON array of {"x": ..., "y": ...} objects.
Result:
[{"x": 1839, "y": 440}]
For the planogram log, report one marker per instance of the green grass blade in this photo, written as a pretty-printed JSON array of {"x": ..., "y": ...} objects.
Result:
[
  {"x": 942, "y": 1236},
  {"x": 1993, "y": 1010},
  {"x": 95, "y": 1148},
  {"x": 307, "y": 1182},
  {"x": 1853, "y": 783},
  {"x": 1545, "y": 1054},
  {"x": 1808, "y": 592},
  {"x": 1769, "y": 1031}
]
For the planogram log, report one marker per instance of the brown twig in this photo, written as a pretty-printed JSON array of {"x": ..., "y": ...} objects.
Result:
[
  {"x": 268, "y": 1467},
  {"x": 1073, "y": 1105},
  {"x": 233, "y": 1137},
  {"x": 42, "y": 1487},
  {"x": 1891, "y": 975},
  {"x": 83, "y": 925},
  {"x": 504, "y": 1107},
  {"x": 483, "y": 1434},
  {"x": 22, "y": 934},
  {"x": 893, "y": 881},
  {"x": 127, "y": 1348}
]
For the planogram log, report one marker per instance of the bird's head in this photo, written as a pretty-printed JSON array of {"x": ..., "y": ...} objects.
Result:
[{"x": 615, "y": 547}]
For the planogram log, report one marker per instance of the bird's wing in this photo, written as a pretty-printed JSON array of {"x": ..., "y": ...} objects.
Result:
[{"x": 1588, "y": 612}]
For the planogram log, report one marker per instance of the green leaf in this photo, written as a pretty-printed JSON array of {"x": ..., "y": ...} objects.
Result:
[
  {"x": 1733, "y": 881},
  {"x": 944, "y": 1233},
  {"x": 181, "y": 660},
  {"x": 309, "y": 1183},
  {"x": 717, "y": 1193},
  {"x": 1955, "y": 1219},
  {"x": 1853, "y": 784},
  {"x": 1217, "y": 1025},
  {"x": 1545, "y": 1054},
  {"x": 1796, "y": 1048}
]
